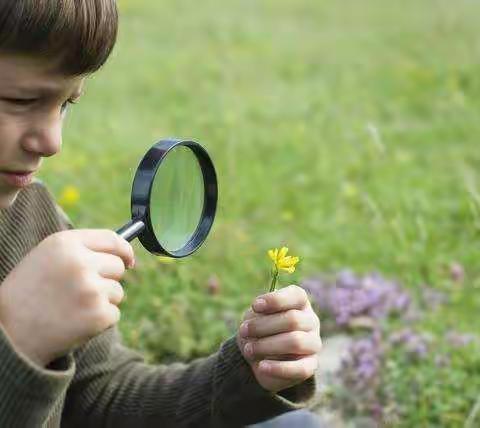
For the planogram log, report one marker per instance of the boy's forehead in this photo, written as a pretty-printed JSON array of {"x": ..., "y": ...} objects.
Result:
[{"x": 34, "y": 75}]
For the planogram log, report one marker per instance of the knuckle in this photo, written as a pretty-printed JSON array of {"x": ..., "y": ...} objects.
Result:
[
  {"x": 83, "y": 274},
  {"x": 252, "y": 328},
  {"x": 274, "y": 301},
  {"x": 88, "y": 296},
  {"x": 301, "y": 293},
  {"x": 292, "y": 288},
  {"x": 77, "y": 264},
  {"x": 118, "y": 290},
  {"x": 79, "y": 274},
  {"x": 76, "y": 271},
  {"x": 297, "y": 338},
  {"x": 293, "y": 319}
]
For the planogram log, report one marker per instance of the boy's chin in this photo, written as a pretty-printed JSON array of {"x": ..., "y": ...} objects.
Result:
[{"x": 7, "y": 198}]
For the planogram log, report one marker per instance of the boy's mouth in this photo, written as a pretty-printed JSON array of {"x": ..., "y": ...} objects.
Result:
[
  {"x": 17, "y": 178},
  {"x": 18, "y": 171}
]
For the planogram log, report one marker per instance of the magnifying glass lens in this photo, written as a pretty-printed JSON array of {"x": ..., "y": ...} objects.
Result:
[
  {"x": 174, "y": 199},
  {"x": 177, "y": 198}
]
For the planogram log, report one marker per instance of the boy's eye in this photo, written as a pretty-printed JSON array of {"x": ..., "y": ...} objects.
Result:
[
  {"x": 66, "y": 103},
  {"x": 21, "y": 101}
]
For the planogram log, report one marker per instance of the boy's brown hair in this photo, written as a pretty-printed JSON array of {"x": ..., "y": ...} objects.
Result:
[{"x": 76, "y": 35}]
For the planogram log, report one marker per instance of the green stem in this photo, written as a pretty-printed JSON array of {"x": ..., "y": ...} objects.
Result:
[{"x": 274, "y": 280}]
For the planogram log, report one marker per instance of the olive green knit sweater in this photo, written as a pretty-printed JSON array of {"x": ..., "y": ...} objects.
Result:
[{"x": 105, "y": 384}]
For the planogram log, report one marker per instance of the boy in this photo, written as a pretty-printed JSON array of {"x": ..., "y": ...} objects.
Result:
[{"x": 61, "y": 359}]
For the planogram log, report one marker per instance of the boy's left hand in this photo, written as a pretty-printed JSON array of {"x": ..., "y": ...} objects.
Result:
[{"x": 281, "y": 339}]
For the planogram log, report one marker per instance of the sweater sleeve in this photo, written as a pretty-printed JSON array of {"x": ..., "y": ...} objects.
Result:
[
  {"x": 114, "y": 387},
  {"x": 28, "y": 392}
]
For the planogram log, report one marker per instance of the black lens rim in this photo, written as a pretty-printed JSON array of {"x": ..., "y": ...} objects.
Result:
[{"x": 142, "y": 190}]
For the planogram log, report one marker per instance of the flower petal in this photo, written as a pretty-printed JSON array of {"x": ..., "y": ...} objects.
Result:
[
  {"x": 283, "y": 253},
  {"x": 273, "y": 254},
  {"x": 290, "y": 269},
  {"x": 288, "y": 261}
]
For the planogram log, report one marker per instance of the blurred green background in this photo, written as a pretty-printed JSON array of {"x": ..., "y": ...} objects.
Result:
[{"x": 346, "y": 130}]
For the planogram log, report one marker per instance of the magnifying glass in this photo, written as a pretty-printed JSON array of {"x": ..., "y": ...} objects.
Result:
[{"x": 174, "y": 199}]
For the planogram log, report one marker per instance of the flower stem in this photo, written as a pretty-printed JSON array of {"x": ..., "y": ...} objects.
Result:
[{"x": 274, "y": 280}]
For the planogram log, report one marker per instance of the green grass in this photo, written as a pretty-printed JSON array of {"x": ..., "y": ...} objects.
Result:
[{"x": 346, "y": 130}]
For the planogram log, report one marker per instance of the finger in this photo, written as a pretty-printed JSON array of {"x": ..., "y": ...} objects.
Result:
[
  {"x": 250, "y": 314},
  {"x": 114, "y": 314},
  {"x": 291, "y": 297},
  {"x": 113, "y": 290},
  {"x": 282, "y": 322},
  {"x": 106, "y": 241},
  {"x": 298, "y": 370},
  {"x": 294, "y": 342},
  {"x": 108, "y": 266},
  {"x": 99, "y": 320}
]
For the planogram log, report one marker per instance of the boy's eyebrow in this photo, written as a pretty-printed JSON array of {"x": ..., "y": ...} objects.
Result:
[{"x": 49, "y": 90}]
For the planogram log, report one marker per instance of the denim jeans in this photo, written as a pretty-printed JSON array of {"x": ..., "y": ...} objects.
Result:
[{"x": 294, "y": 419}]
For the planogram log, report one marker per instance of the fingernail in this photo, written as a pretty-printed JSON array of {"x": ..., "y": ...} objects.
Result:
[
  {"x": 131, "y": 264},
  {"x": 259, "y": 305},
  {"x": 248, "y": 349},
  {"x": 244, "y": 329}
]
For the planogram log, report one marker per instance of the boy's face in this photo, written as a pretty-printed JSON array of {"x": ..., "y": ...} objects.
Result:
[{"x": 33, "y": 102}]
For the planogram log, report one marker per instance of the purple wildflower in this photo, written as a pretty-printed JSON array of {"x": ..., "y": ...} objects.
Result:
[
  {"x": 415, "y": 344},
  {"x": 360, "y": 374},
  {"x": 364, "y": 358},
  {"x": 350, "y": 296}
]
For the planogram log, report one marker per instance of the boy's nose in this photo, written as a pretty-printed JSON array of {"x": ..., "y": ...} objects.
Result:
[{"x": 44, "y": 139}]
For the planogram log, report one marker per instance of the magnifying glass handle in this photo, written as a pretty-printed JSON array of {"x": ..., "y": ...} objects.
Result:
[{"x": 131, "y": 230}]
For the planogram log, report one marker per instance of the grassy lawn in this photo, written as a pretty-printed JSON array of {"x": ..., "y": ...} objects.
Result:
[{"x": 345, "y": 130}]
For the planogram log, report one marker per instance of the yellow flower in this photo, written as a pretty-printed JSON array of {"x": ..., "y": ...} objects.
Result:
[
  {"x": 69, "y": 196},
  {"x": 282, "y": 261}
]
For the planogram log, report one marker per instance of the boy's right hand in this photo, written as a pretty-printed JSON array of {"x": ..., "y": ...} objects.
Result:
[{"x": 64, "y": 292}]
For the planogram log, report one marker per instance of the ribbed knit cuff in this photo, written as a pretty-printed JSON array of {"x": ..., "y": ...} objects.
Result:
[
  {"x": 28, "y": 392},
  {"x": 240, "y": 400}
]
